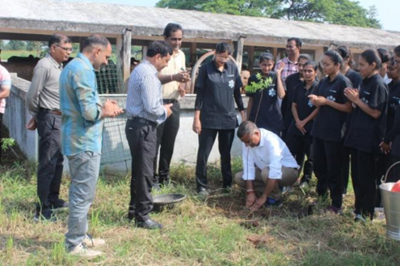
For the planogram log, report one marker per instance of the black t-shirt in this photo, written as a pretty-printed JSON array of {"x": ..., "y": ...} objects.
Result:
[
  {"x": 365, "y": 132},
  {"x": 291, "y": 83},
  {"x": 354, "y": 77},
  {"x": 267, "y": 101},
  {"x": 394, "y": 102},
  {"x": 304, "y": 107},
  {"x": 215, "y": 93},
  {"x": 394, "y": 134},
  {"x": 330, "y": 123}
]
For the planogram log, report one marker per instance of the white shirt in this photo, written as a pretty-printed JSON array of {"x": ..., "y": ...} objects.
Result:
[
  {"x": 272, "y": 152},
  {"x": 175, "y": 65}
]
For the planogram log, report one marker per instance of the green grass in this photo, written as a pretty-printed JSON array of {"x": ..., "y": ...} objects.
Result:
[{"x": 196, "y": 232}]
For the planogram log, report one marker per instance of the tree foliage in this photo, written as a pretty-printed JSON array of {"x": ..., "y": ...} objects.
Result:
[
  {"x": 256, "y": 8},
  {"x": 343, "y": 12},
  {"x": 16, "y": 45}
]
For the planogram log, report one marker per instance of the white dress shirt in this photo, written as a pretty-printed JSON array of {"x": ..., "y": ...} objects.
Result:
[{"x": 272, "y": 152}]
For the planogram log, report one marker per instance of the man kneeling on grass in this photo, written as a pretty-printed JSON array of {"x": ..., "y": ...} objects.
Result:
[{"x": 267, "y": 165}]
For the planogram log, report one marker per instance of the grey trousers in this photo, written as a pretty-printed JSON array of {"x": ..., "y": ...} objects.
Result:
[
  {"x": 84, "y": 168},
  {"x": 289, "y": 176}
]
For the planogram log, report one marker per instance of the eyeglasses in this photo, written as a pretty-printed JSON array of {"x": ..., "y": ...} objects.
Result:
[{"x": 67, "y": 49}]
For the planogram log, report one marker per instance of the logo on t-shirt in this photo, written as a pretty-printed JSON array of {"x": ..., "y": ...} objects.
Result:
[
  {"x": 363, "y": 99},
  {"x": 231, "y": 84},
  {"x": 331, "y": 98},
  {"x": 271, "y": 92}
]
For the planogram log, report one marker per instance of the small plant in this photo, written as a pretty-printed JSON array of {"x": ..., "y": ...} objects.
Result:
[
  {"x": 9, "y": 247},
  {"x": 7, "y": 143},
  {"x": 261, "y": 84}
]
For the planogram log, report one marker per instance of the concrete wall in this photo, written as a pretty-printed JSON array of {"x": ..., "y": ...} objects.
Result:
[
  {"x": 115, "y": 153},
  {"x": 17, "y": 115}
]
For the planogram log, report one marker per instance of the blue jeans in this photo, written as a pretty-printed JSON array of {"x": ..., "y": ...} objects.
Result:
[{"x": 84, "y": 168}]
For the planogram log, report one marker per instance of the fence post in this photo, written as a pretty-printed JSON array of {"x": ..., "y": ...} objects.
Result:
[{"x": 124, "y": 54}]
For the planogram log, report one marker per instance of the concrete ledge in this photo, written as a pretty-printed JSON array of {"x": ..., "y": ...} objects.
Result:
[{"x": 115, "y": 152}]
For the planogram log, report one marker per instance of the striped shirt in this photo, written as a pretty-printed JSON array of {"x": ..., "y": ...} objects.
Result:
[
  {"x": 82, "y": 127},
  {"x": 5, "y": 80},
  {"x": 289, "y": 69},
  {"x": 144, "y": 97}
]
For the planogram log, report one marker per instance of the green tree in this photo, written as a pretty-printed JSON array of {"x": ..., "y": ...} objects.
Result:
[
  {"x": 350, "y": 13},
  {"x": 36, "y": 47},
  {"x": 16, "y": 45},
  {"x": 256, "y": 8},
  {"x": 343, "y": 12}
]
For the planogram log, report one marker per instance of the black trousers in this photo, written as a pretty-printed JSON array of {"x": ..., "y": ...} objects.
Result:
[
  {"x": 300, "y": 146},
  {"x": 142, "y": 140},
  {"x": 166, "y": 135},
  {"x": 364, "y": 171},
  {"x": 394, "y": 174},
  {"x": 346, "y": 168},
  {"x": 51, "y": 159},
  {"x": 206, "y": 142},
  {"x": 328, "y": 161},
  {"x": 382, "y": 164}
]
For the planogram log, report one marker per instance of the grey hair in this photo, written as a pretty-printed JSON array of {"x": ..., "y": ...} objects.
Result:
[{"x": 245, "y": 128}]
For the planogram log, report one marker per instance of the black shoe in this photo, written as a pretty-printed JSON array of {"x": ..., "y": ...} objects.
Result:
[
  {"x": 59, "y": 203},
  {"x": 131, "y": 213},
  {"x": 45, "y": 215},
  {"x": 156, "y": 187},
  {"x": 165, "y": 181},
  {"x": 148, "y": 224}
]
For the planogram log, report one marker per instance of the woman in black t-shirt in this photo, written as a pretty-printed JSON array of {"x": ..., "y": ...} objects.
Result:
[
  {"x": 392, "y": 153},
  {"x": 299, "y": 140},
  {"x": 366, "y": 131},
  {"x": 328, "y": 129},
  {"x": 355, "y": 78},
  {"x": 264, "y": 107},
  {"x": 218, "y": 85}
]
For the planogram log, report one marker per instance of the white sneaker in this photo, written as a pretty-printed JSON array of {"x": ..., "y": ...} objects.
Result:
[
  {"x": 83, "y": 251},
  {"x": 93, "y": 242}
]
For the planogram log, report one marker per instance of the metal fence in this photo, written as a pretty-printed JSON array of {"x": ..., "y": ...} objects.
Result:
[{"x": 109, "y": 79}]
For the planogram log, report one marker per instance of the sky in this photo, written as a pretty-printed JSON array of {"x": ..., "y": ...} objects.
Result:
[{"x": 388, "y": 10}]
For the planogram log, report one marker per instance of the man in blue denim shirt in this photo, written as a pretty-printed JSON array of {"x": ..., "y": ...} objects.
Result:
[{"x": 82, "y": 129}]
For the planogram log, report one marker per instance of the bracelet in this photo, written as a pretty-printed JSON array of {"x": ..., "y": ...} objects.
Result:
[
  {"x": 171, "y": 77},
  {"x": 249, "y": 191}
]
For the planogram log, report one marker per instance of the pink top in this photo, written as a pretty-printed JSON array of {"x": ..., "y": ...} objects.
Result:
[{"x": 5, "y": 79}]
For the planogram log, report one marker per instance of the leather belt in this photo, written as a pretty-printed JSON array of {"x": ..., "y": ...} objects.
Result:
[
  {"x": 54, "y": 112},
  {"x": 168, "y": 101},
  {"x": 143, "y": 121}
]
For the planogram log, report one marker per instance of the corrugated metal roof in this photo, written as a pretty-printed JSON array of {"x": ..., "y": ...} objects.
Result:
[{"x": 48, "y": 15}]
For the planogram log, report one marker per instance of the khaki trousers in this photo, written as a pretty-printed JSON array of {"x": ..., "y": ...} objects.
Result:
[{"x": 289, "y": 177}]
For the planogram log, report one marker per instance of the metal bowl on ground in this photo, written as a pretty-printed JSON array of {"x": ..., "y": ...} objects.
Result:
[{"x": 166, "y": 201}]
